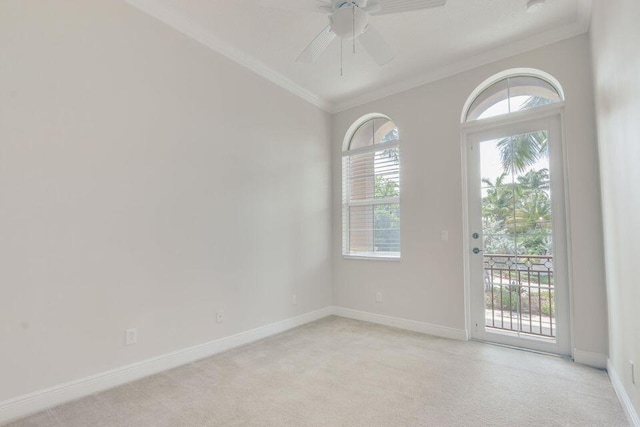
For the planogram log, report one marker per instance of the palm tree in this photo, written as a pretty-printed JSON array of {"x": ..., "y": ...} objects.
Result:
[
  {"x": 522, "y": 210},
  {"x": 517, "y": 212},
  {"x": 519, "y": 152},
  {"x": 533, "y": 212},
  {"x": 536, "y": 210},
  {"x": 498, "y": 203},
  {"x": 535, "y": 180}
]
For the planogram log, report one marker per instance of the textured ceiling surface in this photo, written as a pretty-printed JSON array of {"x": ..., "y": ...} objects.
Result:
[{"x": 268, "y": 35}]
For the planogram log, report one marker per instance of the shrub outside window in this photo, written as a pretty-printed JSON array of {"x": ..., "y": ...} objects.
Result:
[{"x": 371, "y": 191}]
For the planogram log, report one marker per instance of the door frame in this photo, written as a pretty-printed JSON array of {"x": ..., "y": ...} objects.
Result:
[{"x": 493, "y": 127}]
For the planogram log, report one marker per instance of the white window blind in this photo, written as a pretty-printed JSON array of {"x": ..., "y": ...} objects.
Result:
[{"x": 371, "y": 193}]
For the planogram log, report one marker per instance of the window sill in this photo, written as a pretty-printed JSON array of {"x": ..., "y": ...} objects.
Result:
[{"x": 372, "y": 257}]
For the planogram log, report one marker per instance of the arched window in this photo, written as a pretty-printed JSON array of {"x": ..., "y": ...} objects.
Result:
[
  {"x": 371, "y": 189},
  {"x": 512, "y": 91}
]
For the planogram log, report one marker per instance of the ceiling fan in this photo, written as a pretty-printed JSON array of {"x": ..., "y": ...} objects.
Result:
[{"x": 349, "y": 20}]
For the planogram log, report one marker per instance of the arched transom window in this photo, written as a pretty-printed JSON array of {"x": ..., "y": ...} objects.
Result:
[
  {"x": 371, "y": 189},
  {"x": 513, "y": 92}
]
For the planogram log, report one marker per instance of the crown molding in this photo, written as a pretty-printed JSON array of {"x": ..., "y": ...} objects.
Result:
[
  {"x": 581, "y": 26},
  {"x": 180, "y": 24}
]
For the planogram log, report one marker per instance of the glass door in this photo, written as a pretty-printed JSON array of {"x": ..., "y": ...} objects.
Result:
[{"x": 516, "y": 211}]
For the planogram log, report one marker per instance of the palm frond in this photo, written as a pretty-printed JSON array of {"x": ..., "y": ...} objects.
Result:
[{"x": 517, "y": 153}]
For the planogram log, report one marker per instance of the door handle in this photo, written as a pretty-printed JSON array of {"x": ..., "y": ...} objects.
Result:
[{"x": 476, "y": 250}]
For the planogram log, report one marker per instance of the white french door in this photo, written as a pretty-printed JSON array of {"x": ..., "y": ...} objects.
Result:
[{"x": 518, "y": 281}]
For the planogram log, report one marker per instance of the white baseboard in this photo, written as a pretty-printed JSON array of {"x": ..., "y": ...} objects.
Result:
[
  {"x": 595, "y": 360},
  {"x": 625, "y": 401},
  {"x": 32, "y": 403},
  {"x": 411, "y": 325}
]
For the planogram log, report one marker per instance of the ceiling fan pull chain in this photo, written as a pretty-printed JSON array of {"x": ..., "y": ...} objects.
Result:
[
  {"x": 369, "y": 39},
  {"x": 341, "y": 48},
  {"x": 353, "y": 9}
]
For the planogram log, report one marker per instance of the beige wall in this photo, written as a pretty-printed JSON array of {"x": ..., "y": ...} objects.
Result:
[
  {"x": 146, "y": 182},
  {"x": 616, "y": 63},
  {"x": 427, "y": 284}
]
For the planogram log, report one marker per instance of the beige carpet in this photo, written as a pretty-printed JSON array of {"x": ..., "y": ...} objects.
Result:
[{"x": 340, "y": 372}]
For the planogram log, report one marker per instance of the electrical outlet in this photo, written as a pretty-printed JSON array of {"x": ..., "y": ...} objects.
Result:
[
  {"x": 378, "y": 296},
  {"x": 220, "y": 316},
  {"x": 132, "y": 336},
  {"x": 633, "y": 372},
  {"x": 294, "y": 299},
  {"x": 444, "y": 235}
]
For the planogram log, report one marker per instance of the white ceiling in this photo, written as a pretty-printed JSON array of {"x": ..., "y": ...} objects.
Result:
[{"x": 268, "y": 35}]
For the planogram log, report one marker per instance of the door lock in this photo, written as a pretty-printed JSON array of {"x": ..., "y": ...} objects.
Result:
[
  {"x": 476, "y": 250},
  {"x": 475, "y": 235}
]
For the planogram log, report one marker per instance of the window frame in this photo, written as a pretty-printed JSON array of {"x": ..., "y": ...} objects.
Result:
[
  {"x": 507, "y": 74},
  {"x": 347, "y": 202}
]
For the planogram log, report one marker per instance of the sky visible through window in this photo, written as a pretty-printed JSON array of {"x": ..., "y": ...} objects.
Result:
[{"x": 490, "y": 155}]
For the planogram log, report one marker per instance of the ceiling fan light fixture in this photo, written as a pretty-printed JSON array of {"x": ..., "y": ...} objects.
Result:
[
  {"x": 348, "y": 21},
  {"x": 534, "y": 6}
]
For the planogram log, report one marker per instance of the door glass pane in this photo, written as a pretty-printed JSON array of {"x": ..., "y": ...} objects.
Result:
[{"x": 517, "y": 246}]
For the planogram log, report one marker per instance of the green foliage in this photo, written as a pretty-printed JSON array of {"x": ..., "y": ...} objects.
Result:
[
  {"x": 519, "y": 152},
  {"x": 520, "y": 207},
  {"x": 506, "y": 298},
  {"x": 496, "y": 238},
  {"x": 385, "y": 187},
  {"x": 547, "y": 303},
  {"x": 387, "y": 216}
]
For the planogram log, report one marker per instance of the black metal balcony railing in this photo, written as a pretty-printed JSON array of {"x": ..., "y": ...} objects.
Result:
[{"x": 519, "y": 294}]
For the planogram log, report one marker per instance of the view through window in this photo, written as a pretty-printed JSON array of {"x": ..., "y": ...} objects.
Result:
[{"x": 371, "y": 190}]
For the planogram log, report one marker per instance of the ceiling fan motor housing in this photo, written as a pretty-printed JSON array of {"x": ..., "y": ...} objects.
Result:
[{"x": 348, "y": 21}]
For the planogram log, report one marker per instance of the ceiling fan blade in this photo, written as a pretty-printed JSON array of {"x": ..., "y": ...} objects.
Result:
[
  {"x": 387, "y": 7},
  {"x": 308, "y": 5},
  {"x": 376, "y": 46},
  {"x": 325, "y": 8},
  {"x": 318, "y": 45}
]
